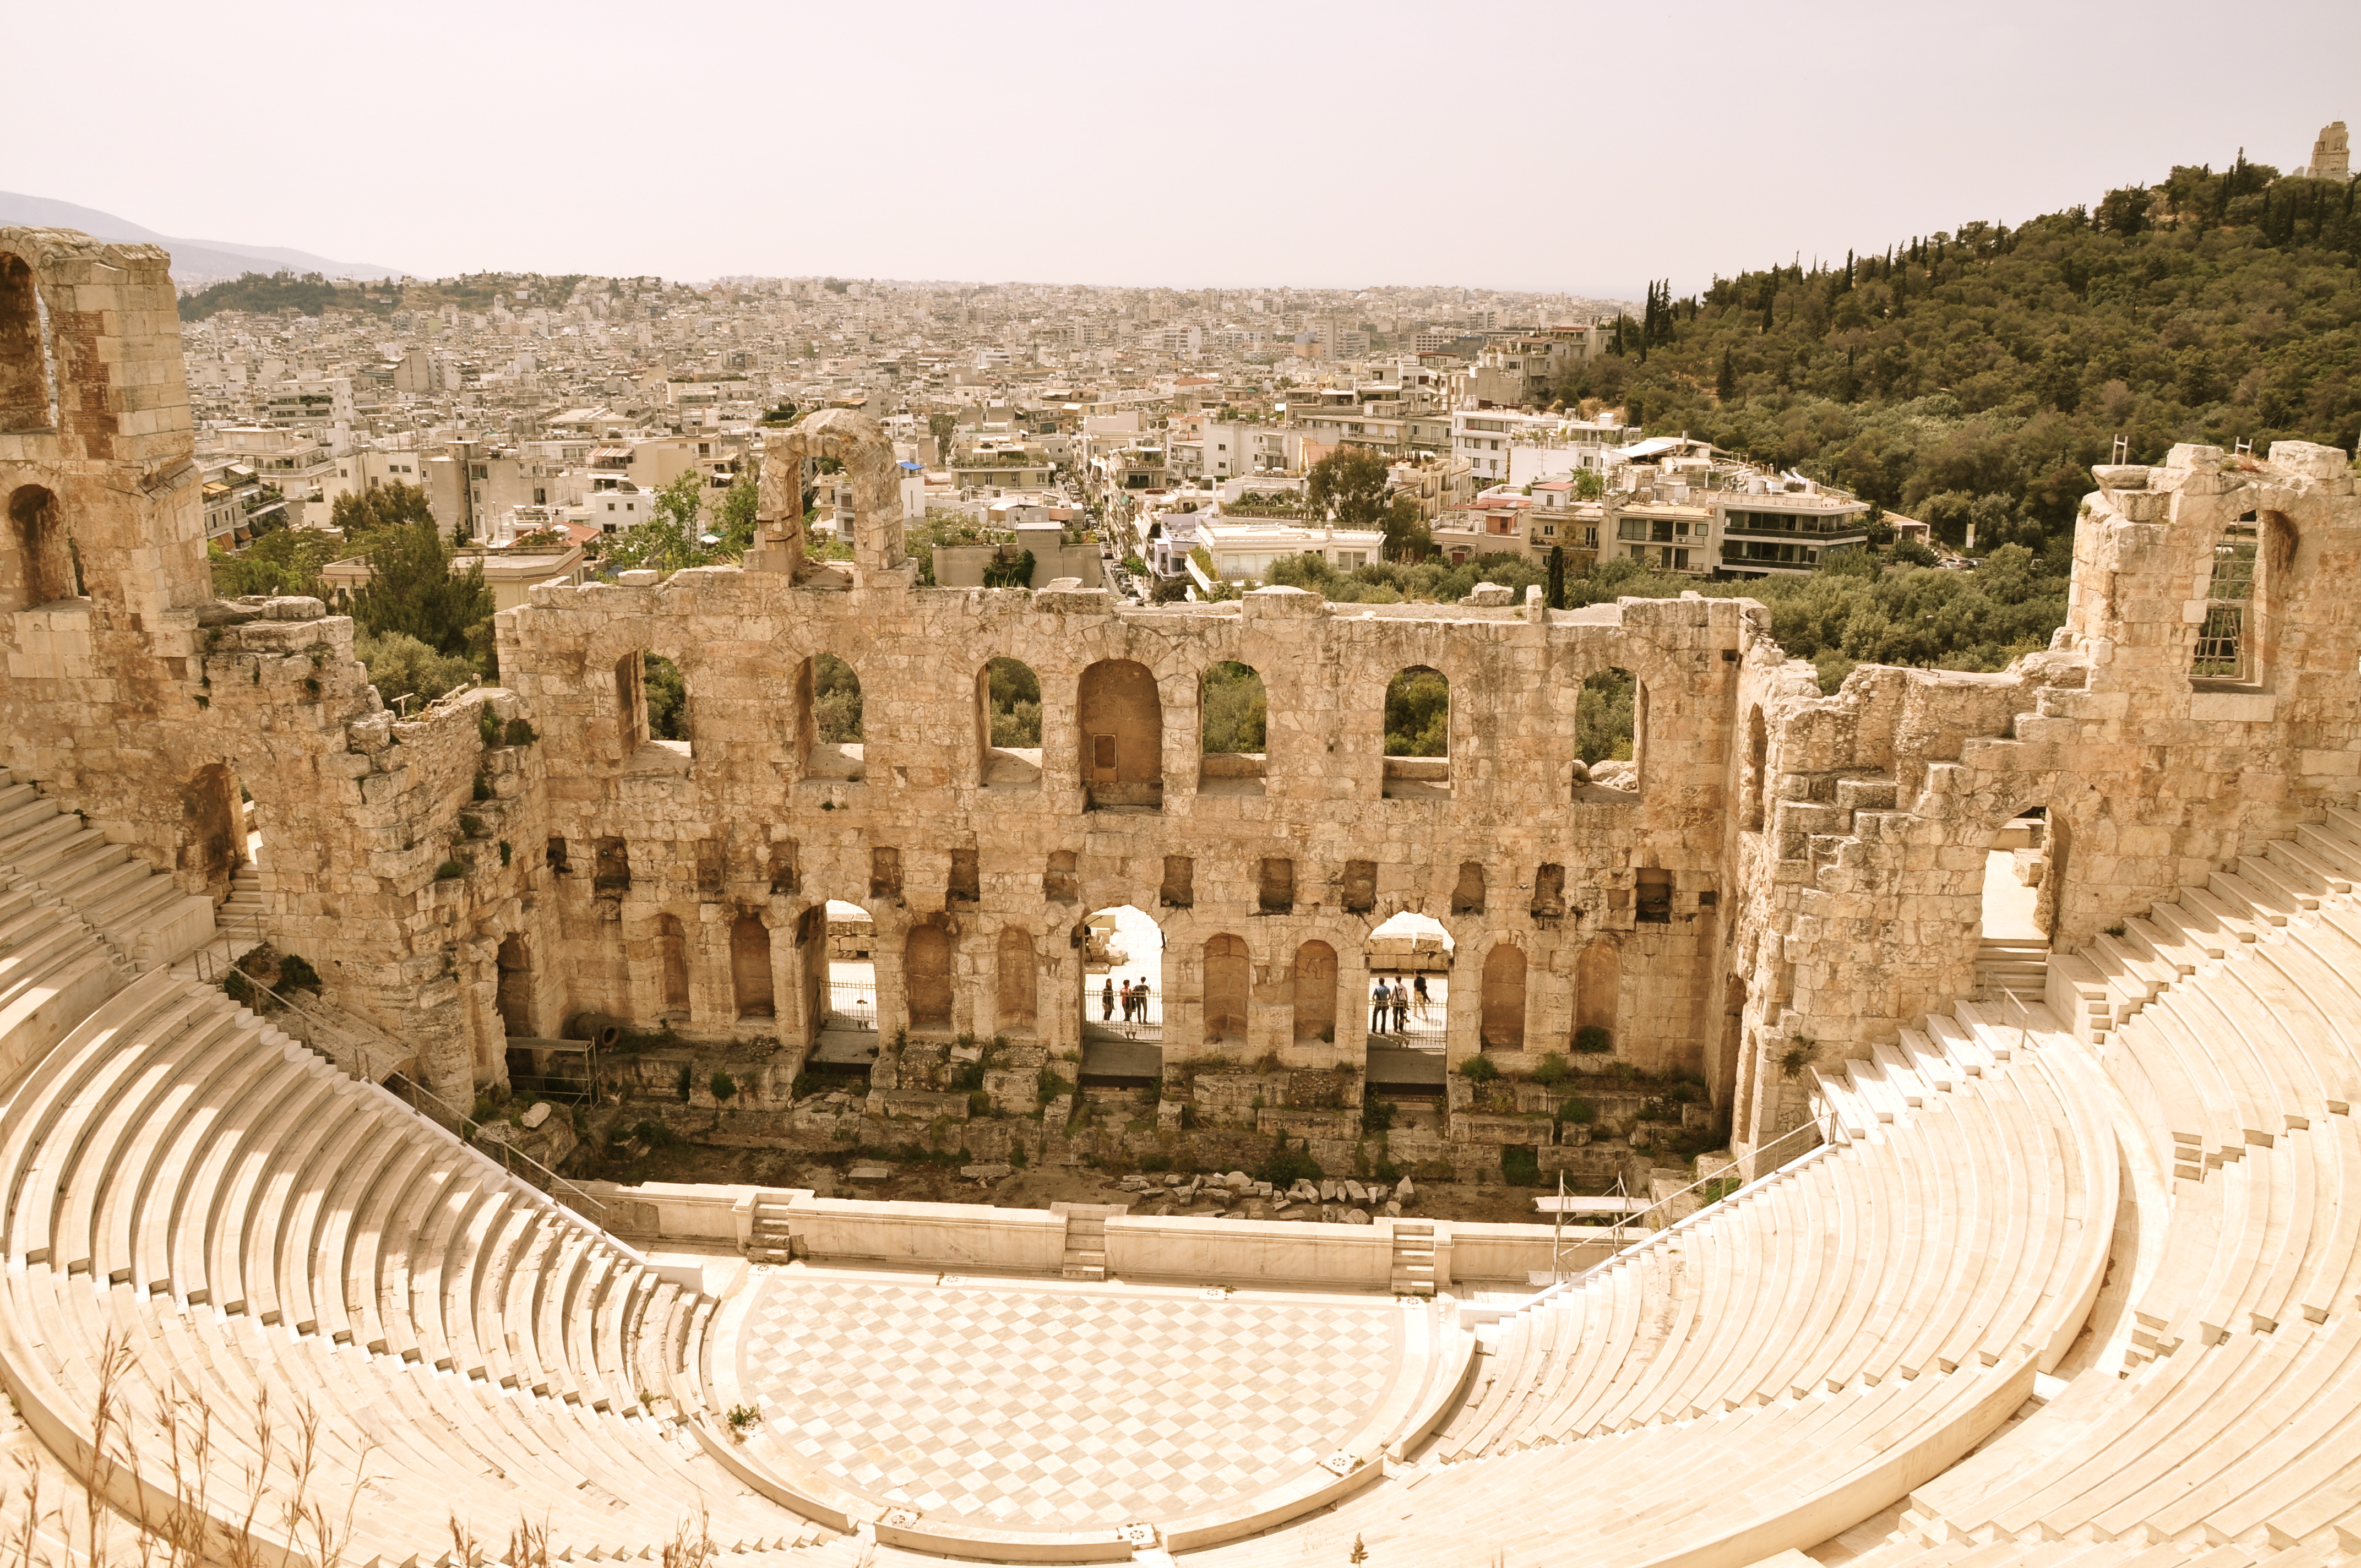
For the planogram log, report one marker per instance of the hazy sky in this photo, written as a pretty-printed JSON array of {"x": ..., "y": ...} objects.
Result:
[{"x": 1548, "y": 146}]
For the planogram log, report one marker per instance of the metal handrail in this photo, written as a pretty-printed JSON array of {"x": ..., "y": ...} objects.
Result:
[{"x": 361, "y": 1072}]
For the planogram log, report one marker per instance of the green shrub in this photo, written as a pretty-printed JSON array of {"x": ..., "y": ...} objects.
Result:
[
  {"x": 449, "y": 870},
  {"x": 1016, "y": 1155},
  {"x": 686, "y": 1084},
  {"x": 1577, "y": 1111},
  {"x": 1288, "y": 1165},
  {"x": 1553, "y": 1068},
  {"x": 1479, "y": 1069},
  {"x": 1050, "y": 1086},
  {"x": 296, "y": 974},
  {"x": 744, "y": 1416},
  {"x": 1590, "y": 1037},
  {"x": 724, "y": 1087},
  {"x": 483, "y": 789},
  {"x": 1717, "y": 1189},
  {"x": 488, "y": 727},
  {"x": 519, "y": 732},
  {"x": 1377, "y": 1115},
  {"x": 1519, "y": 1164},
  {"x": 968, "y": 1075},
  {"x": 1156, "y": 1162}
]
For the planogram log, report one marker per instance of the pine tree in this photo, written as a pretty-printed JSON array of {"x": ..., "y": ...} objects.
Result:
[
  {"x": 1725, "y": 385},
  {"x": 1557, "y": 577},
  {"x": 413, "y": 590}
]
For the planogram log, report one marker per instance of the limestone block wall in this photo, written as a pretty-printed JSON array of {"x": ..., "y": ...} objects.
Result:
[{"x": 752, "y": 818}]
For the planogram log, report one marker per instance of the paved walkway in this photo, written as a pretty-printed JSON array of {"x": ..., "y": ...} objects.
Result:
[{"x": 1007, "y": 1401}]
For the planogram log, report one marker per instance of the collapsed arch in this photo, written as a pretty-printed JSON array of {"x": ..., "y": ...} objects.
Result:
[
  {"x": 1009, "y": 723},
  {"x": 1418, "y": 735}
]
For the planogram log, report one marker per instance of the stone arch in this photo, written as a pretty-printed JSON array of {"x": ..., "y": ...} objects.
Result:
[
  {"x": 1229, "y": 981},
  {"x": 1758, "y": 757},
  {"x": 1313, "y": 991},
  {"x": 1502, "y": 1027},
  {"x": 749, "y": 966},
  {"x": 41, "y": 549},
  {"x": 211, "y": 841},
  {"x": 671, "y": 966},
  {"x": 926, "y": 975},
  {"x": 1121, "y": 716},
  {"x": 1018, "y": 998},
  {"x": 514, "y": 995},
  {"x": 871, "y": 478},
  {"x": 24, "y": 368}
]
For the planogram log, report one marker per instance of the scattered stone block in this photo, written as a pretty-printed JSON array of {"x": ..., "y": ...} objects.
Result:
[
  {"x": 1356, "y": 1216},
  {"x": 984, "y": 1172},
  {"x": 869, "y": 1173},
  {"x": 536, "y": 1116}
]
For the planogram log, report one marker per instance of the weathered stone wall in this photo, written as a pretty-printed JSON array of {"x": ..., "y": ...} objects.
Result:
[
  {"x": 1862, "y": 905},
  {"x": 705, "y": 827},
  {"x": 1794, "y": 873}
]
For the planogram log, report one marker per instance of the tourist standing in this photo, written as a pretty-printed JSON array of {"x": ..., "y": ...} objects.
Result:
[
  {"x": 1379, "y": 999},
  {"x": 1107, "y": 1001},
  {"x": 1402, "y": 1009}
]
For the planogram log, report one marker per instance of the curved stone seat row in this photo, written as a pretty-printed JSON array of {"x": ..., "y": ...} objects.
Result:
[
  {"x": 190, "y": 1185},
  {"x": 2231, "y": 1411},
  {"x": 1960, "y": 1218}
]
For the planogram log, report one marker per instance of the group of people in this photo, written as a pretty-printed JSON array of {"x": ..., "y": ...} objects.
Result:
[
  {"x": 1133, "y": 997},
  {"x": 1392, "y": 999}
]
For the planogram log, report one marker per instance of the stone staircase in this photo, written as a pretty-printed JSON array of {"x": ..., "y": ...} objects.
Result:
[
  {"x": 771, "y": 1241},
  {"x": 1086, "y": 1238},
  {"x": 1413, "y": 1260},
  {"x": 2015, "y": 964}
]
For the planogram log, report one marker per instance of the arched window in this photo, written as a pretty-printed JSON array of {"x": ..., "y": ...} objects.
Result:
[
  {"x": 832, "y": 719},
  {"x": 1503, "y": 1023},
  {"x": 1008, "y": 724},
  {"x": 1228, "y": 979},
  {"x": 1758, "y": 757},
  {"x": 1418, "y": 735},
  {"x": 1234, "y": 712},
  {"x": 41, "y": 553},
  {"x": 926, "y": 976},
  {"x": 24, "y": 373},
  {"x": 749, "y": 966},
  {"x": 1315, "y": 991},
  {"x": 1019, "y": 987},
  {"x": 672, "y": 966},
  {"x": 1121, "y": 718}
]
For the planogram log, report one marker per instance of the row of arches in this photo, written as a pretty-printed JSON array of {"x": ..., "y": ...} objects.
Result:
[{"x": 1120, "y": 720}]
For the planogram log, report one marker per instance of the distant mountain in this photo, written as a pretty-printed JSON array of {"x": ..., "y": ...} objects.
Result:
[{"x": 193, "y": 260}]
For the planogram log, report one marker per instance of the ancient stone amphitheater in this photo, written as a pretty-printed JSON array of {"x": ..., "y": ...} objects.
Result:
[{"x": 2065, "y": 1276}]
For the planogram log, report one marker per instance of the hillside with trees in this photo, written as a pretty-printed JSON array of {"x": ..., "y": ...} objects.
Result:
[{"x": 1978, "y": 373}]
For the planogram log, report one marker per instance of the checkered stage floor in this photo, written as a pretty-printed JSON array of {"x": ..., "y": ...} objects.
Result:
[{"x": 1004, "y": 1403}]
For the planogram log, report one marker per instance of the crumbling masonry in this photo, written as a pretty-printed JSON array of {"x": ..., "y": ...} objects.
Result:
[{"x": 1791, "y": 872}]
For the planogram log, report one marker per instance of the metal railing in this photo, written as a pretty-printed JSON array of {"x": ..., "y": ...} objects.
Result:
[
  {"x": 1424, "y": 1022},
  {"x": 214, "y": 970},
  {"x": 851, "y": 1004},
  {"x": 1103, "y": 1019}
]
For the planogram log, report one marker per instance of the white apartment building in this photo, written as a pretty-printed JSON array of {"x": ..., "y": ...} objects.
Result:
[{"x": 1244, "y": 548}]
